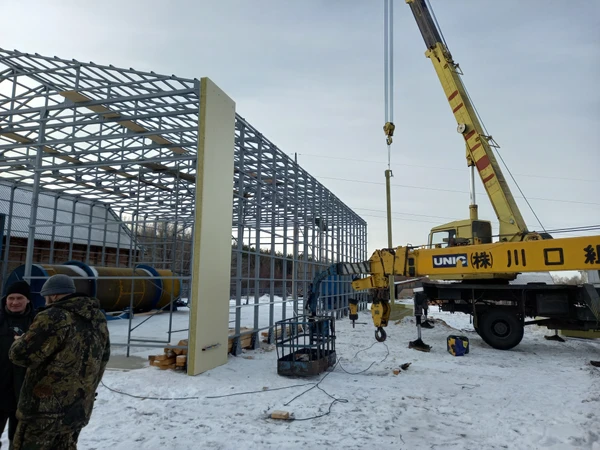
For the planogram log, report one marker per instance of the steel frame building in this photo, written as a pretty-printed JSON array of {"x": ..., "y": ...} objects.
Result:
[{"x": 108, "y": 156}]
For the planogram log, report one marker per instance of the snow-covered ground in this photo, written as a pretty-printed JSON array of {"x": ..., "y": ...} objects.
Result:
[{"x": 540, "y": 395}]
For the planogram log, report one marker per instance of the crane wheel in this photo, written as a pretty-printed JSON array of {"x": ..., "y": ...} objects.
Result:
[
  {"x": 380, "y": 334},
  {"x": 500, "y": 328}
]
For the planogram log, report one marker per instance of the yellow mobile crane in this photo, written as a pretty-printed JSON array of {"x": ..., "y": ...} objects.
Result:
[{"x": 476, "y": 270}]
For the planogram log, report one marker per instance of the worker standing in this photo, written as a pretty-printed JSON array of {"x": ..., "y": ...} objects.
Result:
[
  {"x": 66, "y": 350},
  {"x": 16, "y": 315}
]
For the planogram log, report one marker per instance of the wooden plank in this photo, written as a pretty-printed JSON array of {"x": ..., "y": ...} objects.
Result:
[
  {"x": 245, "y": 342},
  {"x": 165, "y": 362},
  {"x": 278, "y": 332}
]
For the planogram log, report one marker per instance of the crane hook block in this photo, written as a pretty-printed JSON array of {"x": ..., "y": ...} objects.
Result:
[
  {"x": 388, "y": 129},
  {"x": 380, "y": 334}
]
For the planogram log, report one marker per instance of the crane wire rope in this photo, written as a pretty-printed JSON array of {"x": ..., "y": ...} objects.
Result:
[
  {"x": 437, "y": 24},
  {"x": 388, "y": 127},
  {"x": 388, "y": 69},
  {"x": 497, "y": 146}
]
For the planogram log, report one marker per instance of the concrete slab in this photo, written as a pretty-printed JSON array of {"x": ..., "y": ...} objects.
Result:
[{"x": 122, "y": 362}]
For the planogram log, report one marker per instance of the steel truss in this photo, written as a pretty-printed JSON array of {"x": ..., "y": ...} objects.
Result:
[{"x": 126, "y": 141}]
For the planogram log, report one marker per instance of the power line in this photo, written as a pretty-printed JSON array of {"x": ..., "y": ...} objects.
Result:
[
  {"x": 448, "y": 190},
  {"x": 398, "y": 218},
  {"x": 575, "y": 229},
  {"x": 552, "y": 231},
  {"x": 439, "y": 168},
  {"x": 557, "y": 229},
  {"x": 409, "y": 214}
]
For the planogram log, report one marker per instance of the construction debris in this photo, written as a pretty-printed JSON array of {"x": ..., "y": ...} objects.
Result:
[
  {"x": 282, "y": 415},
  {"x": 402, "y": 367}
]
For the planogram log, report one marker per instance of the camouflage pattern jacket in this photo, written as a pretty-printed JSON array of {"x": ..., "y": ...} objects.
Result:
[{"x": 65, "y": 350}]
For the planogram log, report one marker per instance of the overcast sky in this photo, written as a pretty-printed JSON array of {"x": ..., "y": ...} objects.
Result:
[{"x": 309, "y": 75}]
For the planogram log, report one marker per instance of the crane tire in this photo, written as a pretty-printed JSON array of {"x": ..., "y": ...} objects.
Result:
[{"x": 500, "y": 328}]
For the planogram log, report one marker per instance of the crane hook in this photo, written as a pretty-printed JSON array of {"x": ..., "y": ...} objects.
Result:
[
  {"x": 388, "y": 129},
  {"x": 380, "y": 334}
]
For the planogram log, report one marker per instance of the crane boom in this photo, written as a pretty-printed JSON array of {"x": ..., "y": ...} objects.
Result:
[{"x": 478, "y": 145}]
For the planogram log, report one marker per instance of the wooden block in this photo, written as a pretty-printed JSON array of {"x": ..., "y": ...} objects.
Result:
[
  {"x": 181, "y": 360},
  {"x": 151, "y": 357},
  {"x": 165, "y": 362},
  {"x": 282, "y": 415},
  {"x": 182, "y": 351},
  {"x": 156, "y": 363},
  {"x": 396, "y": 371},
  {"x": 245, "y": 340},
  {"x": 160, "y": 357}
]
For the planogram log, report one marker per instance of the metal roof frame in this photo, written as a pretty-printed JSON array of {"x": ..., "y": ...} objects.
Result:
[{"x": 106, "y": 132}]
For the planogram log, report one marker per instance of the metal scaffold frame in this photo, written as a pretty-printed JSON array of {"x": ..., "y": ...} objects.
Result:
[{"x": 98, "y": 170}]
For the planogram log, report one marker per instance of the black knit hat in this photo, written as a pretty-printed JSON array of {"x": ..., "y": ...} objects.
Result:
[{"x": 19, "y": 287}]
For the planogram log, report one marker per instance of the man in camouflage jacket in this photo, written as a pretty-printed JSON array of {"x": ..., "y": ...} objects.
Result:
[{"x": 65, "y": 350}]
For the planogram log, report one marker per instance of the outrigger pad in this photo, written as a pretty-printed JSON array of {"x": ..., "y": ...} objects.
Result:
[{"x": 419, "y": 345}]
